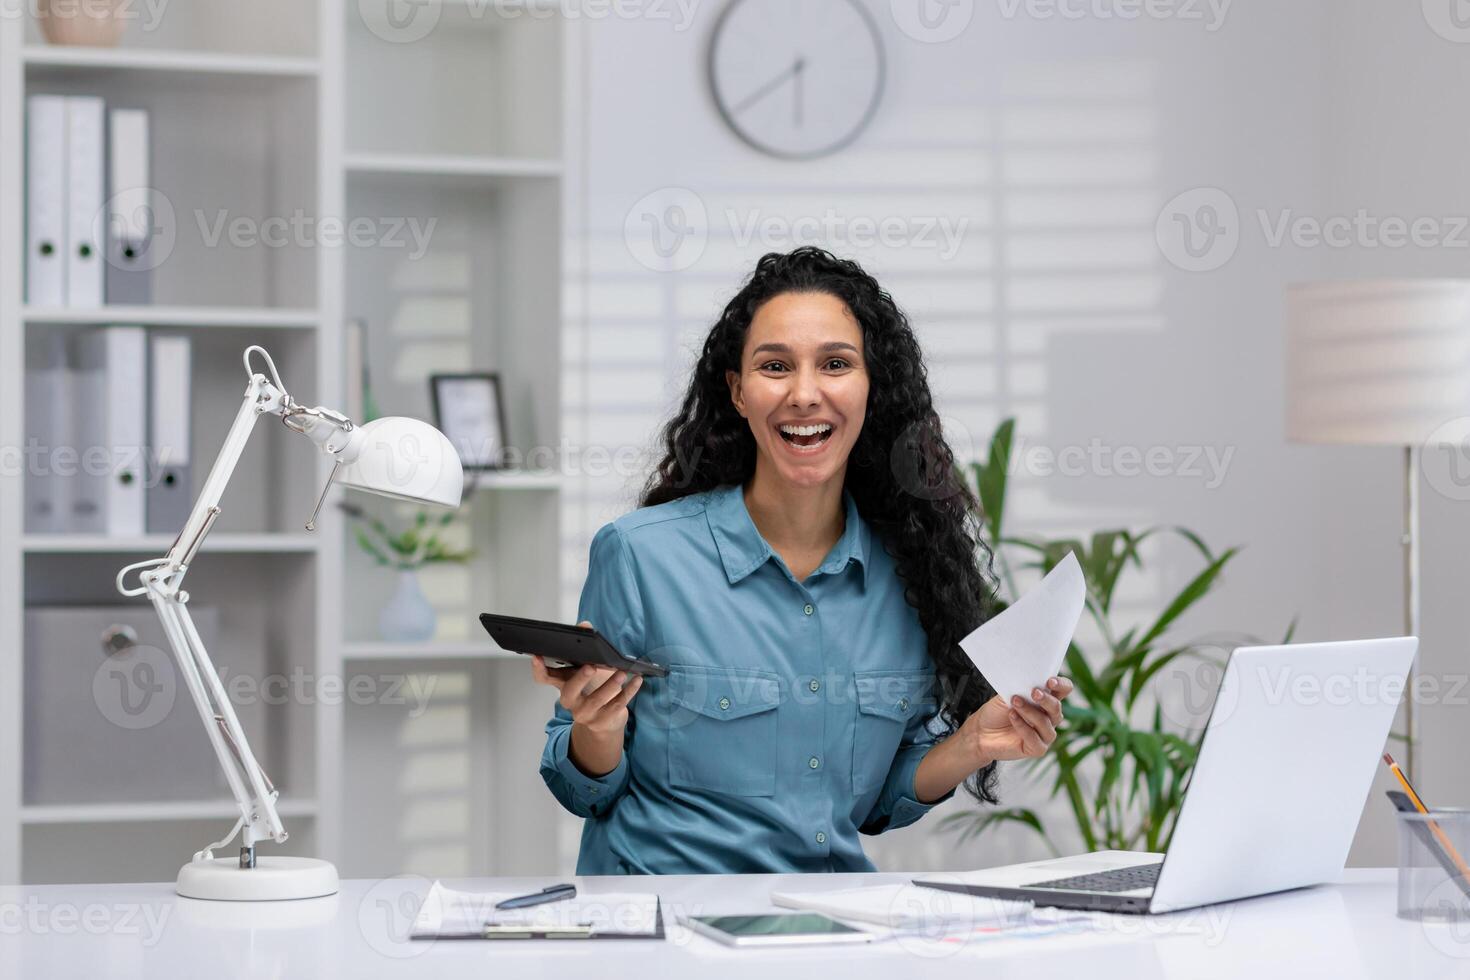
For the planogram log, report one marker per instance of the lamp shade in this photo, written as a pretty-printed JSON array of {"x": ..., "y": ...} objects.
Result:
[
  {"x": 1377, "y": 361},
  {"x": 403, "y": 458}
]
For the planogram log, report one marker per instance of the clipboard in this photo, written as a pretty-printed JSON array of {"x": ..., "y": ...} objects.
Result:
[
  {"x": 448, "y": 914},
  {"x": 492, "y": 931}
]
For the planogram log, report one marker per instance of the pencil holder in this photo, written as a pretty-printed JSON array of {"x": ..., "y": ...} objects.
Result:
[{"x": 1434, "y": 865}]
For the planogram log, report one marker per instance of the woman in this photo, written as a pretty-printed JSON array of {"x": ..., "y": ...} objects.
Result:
[{"x": 804, "y": 561}]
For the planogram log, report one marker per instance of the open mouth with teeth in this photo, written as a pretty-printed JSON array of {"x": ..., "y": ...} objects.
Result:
[{"x": 805, "y": 436}]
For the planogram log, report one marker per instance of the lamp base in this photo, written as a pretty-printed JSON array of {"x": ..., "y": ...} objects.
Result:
[{"x": 274, "y": 878}]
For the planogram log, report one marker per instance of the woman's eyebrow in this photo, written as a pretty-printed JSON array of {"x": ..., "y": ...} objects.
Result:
[{"x": 830, "y": 345}]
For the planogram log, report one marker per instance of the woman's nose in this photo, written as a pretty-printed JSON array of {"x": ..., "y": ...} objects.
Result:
[{"x": 806, "y": 388}]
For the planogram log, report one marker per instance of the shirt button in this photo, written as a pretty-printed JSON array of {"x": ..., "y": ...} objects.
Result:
[
  {"x": 821, "y": 837},
  {"x": 807, "y": 609},
  {"x": 815, "y": 685},
  {"x": 814, "y": 762},
  {"x": 724, "y": 704},
  {"x": 903, "y": 704}
]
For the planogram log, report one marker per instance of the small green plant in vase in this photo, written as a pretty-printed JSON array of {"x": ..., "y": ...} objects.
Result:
[{"x": 408, "y": 615}]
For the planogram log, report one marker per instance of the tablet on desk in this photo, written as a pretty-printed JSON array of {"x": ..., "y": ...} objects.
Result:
[
  {"x": 563, "y": 645},
  {"x": 778, "y": 929}
]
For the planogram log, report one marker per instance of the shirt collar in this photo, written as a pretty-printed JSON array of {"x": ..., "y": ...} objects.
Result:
[{"x": 743, "y": 550}]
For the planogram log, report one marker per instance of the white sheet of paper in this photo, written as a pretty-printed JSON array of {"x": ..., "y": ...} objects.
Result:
[{"x": 1023, "y": 646}]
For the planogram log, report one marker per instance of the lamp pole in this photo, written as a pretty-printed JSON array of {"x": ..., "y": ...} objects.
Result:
[{"x": 1411, "y": 595}]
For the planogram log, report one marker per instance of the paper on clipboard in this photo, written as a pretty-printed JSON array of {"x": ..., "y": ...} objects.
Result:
[
  {"x": 448, "y": 913},
  {"x": 1023, "y": 646}
]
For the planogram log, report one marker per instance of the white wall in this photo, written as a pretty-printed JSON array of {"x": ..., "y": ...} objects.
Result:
[{"x": 1058, "y": 142}]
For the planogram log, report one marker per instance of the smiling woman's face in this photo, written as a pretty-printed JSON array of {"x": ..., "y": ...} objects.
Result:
[{"x": 802, "y": 386}]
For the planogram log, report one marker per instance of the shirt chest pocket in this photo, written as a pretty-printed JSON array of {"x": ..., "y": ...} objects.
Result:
[
  {"x": 887, "y": 702},
  {"x": 722, "y": 730}
]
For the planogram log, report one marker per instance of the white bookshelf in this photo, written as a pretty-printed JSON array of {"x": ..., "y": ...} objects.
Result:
[{"x": 263, "y": 109}]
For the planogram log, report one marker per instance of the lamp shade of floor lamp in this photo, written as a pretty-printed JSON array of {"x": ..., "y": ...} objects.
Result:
[{"x": 1382, "y": 362}]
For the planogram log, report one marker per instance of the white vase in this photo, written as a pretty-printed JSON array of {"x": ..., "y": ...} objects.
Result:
[{"x": 407, "y": 617}]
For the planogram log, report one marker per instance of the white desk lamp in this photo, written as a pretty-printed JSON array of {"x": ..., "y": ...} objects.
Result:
[
  {"x": 396, "y": 457},
  {"x": 1382, "y": 362}
]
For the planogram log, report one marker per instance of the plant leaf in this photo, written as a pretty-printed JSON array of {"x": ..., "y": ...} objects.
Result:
[
  {"x": 1187, "y": 596},
  {"x": 992, "y": 476}
]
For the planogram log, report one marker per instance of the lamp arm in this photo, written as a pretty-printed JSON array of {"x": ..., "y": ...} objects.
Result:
[
  {"x": 261, "y": 396},
  {"x": 249, "y": 785},
  {"x": 160, "y": 580}
]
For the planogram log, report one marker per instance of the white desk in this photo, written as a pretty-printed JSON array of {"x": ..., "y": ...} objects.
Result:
[{"x": 1343, "y": 932}]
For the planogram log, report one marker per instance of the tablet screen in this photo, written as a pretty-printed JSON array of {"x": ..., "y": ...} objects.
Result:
[{"x": 800, "y": 924}]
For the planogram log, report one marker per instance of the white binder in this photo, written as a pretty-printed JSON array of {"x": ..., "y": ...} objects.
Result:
[
  {"x": 48, "y": 429},
  {"x": 130, "y": 216},
  {"x": 46, "y": 200},
  {"x": 113, "y": 366},
  {"x": 85, "y": 120},
  {"x": 170, "y": 483}
]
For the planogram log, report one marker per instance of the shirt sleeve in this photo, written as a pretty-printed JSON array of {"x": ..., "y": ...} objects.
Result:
[
  {"x": 898, "y": 803},
  {"x": 611, "y": 603}
]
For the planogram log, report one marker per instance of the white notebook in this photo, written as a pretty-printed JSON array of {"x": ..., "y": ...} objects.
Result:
[{"x": 904, "y": 906}]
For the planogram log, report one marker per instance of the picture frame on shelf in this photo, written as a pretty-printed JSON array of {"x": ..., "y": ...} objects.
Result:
[{"x": 470, "y": 410}]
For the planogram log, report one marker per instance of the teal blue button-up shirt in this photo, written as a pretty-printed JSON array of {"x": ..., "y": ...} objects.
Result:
[{"x": 794, "y": 716}]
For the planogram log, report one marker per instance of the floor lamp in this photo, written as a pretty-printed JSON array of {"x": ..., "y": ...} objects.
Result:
[{"x": 1381, "y": 362}]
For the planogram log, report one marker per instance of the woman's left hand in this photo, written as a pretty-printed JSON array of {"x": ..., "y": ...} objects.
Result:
[{"x": 1020, "y": 730}]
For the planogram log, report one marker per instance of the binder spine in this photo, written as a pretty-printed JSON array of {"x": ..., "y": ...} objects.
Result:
[
  {"x": 170, "y": 472},
  {"x": 46, "y": 200},
  {"x": 130, "y": 214},
  {"x": 84, "y": 200}
]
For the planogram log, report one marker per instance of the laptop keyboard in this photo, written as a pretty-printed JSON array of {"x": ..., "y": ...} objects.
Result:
[{"x": 1117, "y": 880}]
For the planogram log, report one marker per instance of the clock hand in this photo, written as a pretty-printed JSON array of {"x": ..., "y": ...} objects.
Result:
[
  {"x": 767, "y": 88},
  {"x": 800, "y": 94}
]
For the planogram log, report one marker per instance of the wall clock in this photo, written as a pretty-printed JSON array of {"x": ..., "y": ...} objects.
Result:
[{"x": 796, "y": 78}]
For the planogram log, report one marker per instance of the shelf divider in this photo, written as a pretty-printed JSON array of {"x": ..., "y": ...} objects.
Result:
[
  {"x": 145, "y": 60},
  {"x": 174, "y": 316}
]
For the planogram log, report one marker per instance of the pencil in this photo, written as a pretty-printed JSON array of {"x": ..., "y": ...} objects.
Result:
[{"x": 1444, "y": 841}]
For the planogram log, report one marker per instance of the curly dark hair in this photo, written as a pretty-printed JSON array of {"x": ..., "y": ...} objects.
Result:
[{"x": 901, "y": 472}]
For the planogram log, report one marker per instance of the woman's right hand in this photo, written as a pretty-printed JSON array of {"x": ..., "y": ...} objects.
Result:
[{"x": 597, "y": 699}]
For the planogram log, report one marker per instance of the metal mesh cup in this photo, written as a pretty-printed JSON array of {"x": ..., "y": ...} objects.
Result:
[{"x": 1434, "y": 865}]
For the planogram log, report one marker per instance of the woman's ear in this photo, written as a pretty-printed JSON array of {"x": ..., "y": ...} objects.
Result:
[{"x": 732, "y": 378}]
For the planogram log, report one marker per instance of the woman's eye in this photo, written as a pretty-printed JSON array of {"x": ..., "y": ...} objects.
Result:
[
  {"x": 839, "y": 363},
  {"x": 773, "y": 366}
]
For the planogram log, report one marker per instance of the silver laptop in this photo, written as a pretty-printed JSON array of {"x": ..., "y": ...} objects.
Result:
[{"x": 1283, "y": 772}]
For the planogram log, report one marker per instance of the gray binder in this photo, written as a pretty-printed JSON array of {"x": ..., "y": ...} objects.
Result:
[
  {"x": 130, "y": 217},
  {"x": 170, "y": 472},
  {"x": 49, "y": 423}
]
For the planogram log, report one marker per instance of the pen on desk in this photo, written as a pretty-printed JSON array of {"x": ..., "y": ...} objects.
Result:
[
  {"x": 1439, "y": 834},
  {"x": 552, "y": 893}
]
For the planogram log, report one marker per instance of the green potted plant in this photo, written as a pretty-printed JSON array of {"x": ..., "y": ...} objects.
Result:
[
  {"x": 1121, "y": 765},
  {"x": 407, "y": 616}
]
